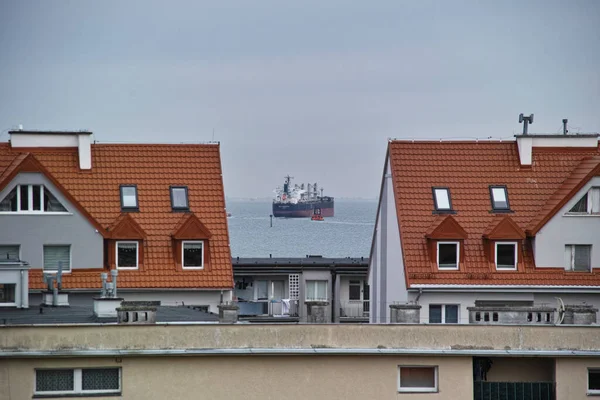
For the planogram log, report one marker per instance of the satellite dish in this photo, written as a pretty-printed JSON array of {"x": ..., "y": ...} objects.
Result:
[
  {"x": 560, "y": 315},
  {"x": 521, "y": 118}
]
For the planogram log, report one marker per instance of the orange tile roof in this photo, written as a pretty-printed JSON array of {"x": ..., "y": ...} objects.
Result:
[
  {"x": 468, "y": 169},
  {"x": 153, "y": 168}
]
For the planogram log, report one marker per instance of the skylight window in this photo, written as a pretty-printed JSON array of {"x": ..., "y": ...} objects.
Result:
[
  {"x": 441, "y": 199},
  {"x": 179, "y": 198},
  {"x": 499, "y": 197},
  {"x": 129, "y": 199}
]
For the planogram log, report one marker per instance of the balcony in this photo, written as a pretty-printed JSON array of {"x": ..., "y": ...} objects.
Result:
[
  {"x": 268, "y": 310},
  {"x": 354, "y": 311}
]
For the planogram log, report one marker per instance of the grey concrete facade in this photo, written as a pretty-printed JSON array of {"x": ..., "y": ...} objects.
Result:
[{"x": 32, "y": 232}]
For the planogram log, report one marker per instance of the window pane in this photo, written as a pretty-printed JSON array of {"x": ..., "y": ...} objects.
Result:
[
  {"x": 451, "y": 314},
  {"x": 505, "y": 255},
  {"x": 37, "y": 197},
  {"x": 192, "y": 255},
  {"x": 129, "y": 196},
  {"x": 7, "y": 292},
  {"x": 55, "y": 380},
  {"x": 9, "y": 203},
  {"x": 276, "y": 288},
  {"x": 316, "y": 290},
  {"x": 442, "y": 199},
  {"x": 321, "y": 290},
  {"x": 24, "y": 197},
  {"x": 53, "y": 255},
  {"x": 499, "y": 198},
  {"x": 9, "y": 252},
  {"x": 581, "y": 259},
  {"x": 179, "y": 196},
  {"x": 127, "y": 255},
  {"x": 448, "y": 255},
  {"x": 417, "y": 377},
  {"x": 581, "y": 205},
  {"x": 262, "y": 290},
  {"x": 51, "y": 203},
  {"x": 100, "y": 379},
  {"x": 435, "y": 314},
  {"x": 354, "y": 290},
  {"x": 594, "y": 379}
]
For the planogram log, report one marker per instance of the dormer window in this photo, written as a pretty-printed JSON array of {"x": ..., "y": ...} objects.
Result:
[
  {"x": 31, "y": 199},
  {"x": 192, "y": 254},
  {"x": 448, "y": 255},
  {"x": 179, "y": 198},
  {"x": 589, "y": 203},
  {"x": 129, "y": 199},
  {"x": 506, "y": 255},
  {"x": 441, "y": 199},
  {"x": 499, "y": 198}
]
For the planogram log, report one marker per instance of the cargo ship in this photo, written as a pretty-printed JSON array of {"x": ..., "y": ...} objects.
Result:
[{"x": 300, "y": 201}]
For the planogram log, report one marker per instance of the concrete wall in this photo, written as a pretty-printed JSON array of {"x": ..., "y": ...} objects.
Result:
[
  {"x": 387, "y": 280},
  {"x": 32, "y": 232},
  {"x": 508, "y": 369},
  {"x": 572, "y": 377},
  {"x": 261, "y": 378},
  {"x": 568, "y": 229}
]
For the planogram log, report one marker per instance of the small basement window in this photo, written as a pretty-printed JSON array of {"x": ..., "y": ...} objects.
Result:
[
  {"x": 192, "y": 254},
  {"x": 129, "y": 199},
  {"x": 127, "y": 255},
  {"x": 499, "y": 197},
  {"x": 578, "y": 257},
  {"x": 78, "y": 381},
  {"x": 417, "y": 379},
  {"x": 448, "y": 254},
  {"x": 506, "y": 255},
  {"x": 179, "y": 198},
  {"x": 594, "y": 381},
  {"x": 441, "y": 199}
]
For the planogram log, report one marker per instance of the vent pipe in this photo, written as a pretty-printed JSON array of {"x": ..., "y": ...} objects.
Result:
[
  {"x": 565, "y": 131},
  {"x": 526, "y": 121}
]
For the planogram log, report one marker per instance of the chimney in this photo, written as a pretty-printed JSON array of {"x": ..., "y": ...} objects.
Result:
[
  {"x": 565, "y": 131},
  {"x": 32, "y": 139}
]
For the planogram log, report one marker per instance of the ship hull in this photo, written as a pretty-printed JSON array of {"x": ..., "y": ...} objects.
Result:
[{"x": 303, "y": 209}]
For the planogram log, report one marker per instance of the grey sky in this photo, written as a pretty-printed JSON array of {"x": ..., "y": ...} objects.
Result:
[{"x": 312, "y": 88}]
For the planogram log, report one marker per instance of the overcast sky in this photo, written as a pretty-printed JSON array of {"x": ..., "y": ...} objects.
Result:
[{"x": 309, "y": 88}]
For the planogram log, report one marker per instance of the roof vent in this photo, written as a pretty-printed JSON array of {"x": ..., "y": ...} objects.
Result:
[{"x": 525, "y": 121}]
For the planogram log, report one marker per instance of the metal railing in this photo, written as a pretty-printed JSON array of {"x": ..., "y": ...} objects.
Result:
[
  {"x": 484, "y": 390},
  {"x": 354, "y": 309},
  {"x": 268, "y": 308}
]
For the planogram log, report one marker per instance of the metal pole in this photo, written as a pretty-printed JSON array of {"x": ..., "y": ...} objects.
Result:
[{"x": 271, "y": 220}]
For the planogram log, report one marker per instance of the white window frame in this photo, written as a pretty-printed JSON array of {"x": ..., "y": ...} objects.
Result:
[
  {"x": 594, "y": 392},
  {"x": 443, "y": 307},
  {"x": 571, "y": 249},
  {"x": 315, "y": 281},
  {"x": 436, "y": 198},
  {"x": 457, "y": 257},
  {"x": 182, "y": 252},
  {"x": 41, "y": 211},
  {"x": 122, "y": 198},
  {"x": 493, "y": 198},
  {"x": 434, "y": 389},
  {"x": 77, "y": 383},
  {"x": 137, "y": 253},
  {"x": 593, "y": 203},
  {"x": 516, "y": 246},
  {"x": 70, "y": 259}
]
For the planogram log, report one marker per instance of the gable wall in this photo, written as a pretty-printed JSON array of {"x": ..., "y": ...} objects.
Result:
[
  {"x": 31, "y": 232},
  {"x": 561, "y": 230}
]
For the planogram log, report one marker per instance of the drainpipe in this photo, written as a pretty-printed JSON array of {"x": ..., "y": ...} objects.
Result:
[
  {"x": 419, "y": 295},
  {"x": 114, "y": 273},
  {"x": 333, "y": 297}
]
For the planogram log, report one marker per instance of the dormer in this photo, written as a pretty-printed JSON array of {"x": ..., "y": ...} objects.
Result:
[
  {"x": 124, "y": 249},
  {"x": 445, "y": 243},
  {"x": 503, "y": 242},
  {"x": 191, "y": 244}
]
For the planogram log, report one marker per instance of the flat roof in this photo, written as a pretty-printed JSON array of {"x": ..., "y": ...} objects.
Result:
[{"x": 309, "y": 261}]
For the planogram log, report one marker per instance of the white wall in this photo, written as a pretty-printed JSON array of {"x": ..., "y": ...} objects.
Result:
[{"x": 550, "y": 241}]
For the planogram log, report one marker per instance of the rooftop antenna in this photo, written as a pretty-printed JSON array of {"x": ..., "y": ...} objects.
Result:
[
  {"x": 213, "y": 137},
  {"x": 526, "y": 121},
  {"x": 565, "y": 131}
]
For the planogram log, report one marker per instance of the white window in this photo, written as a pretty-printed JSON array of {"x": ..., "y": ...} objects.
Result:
[
  {"x": 78, "y": 381},
  {"x": 316, "y": 290},
  {"x": 55, "y": 255},
  {"x": 129, "y": 199},
  {"x": 448, "y": 255},
  {"x": 443, "y": 313},
  {"x": 589, "y": 203},
  {"x": 179, "y": 198},
  {"x": 578, "y": 257},
  {"x": 594, "y": 381},
  {"x": 506, "y": 255},
  {"x": 127, "y": 255},
  {"x": 9, "y": 252},
  {"x": 417, "y": 378},
  {"x": 7, "y": 293},
  {"x": 441, "y": 199},
  {"x": 192, "y": 254},
  {"x": 499, "y": 197},
  {"x": 31, "y": 199}
]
